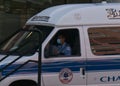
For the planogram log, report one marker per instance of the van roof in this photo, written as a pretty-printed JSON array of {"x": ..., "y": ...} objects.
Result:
[{"x": 78, "y": 14}]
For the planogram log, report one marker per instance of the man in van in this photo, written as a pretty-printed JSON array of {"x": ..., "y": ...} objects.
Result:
[{"x": 63, "y": 47}]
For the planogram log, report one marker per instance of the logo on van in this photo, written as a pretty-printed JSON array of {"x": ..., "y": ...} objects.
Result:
[
  {"x": 65, "y": 75},
  {"x": 113, "y": 13}
]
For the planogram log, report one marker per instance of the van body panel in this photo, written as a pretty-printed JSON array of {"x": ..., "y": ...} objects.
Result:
[{"x": 92, "y": 33}]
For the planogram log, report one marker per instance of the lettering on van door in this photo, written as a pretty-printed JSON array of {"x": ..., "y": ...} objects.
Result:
[
  {"x": 110, "y": 78},
  {"x": 113, "y": 13}
]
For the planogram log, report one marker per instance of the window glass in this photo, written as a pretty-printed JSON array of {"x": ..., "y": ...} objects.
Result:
[
  {"x": 25, "y": 42},
  {"x": 65, "y": 43},
  {"x": 105, "y": 40}
]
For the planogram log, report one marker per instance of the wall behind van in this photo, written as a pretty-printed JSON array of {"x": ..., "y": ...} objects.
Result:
[{"x": 8, "y": 24}]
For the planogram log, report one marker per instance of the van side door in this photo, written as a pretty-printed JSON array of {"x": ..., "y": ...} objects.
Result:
[
  {"x": 64, "y": 64},
  {"x": 103, "y": 55}
]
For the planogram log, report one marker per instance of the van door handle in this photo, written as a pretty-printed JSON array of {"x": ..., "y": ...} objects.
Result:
[{"x": 82, "y": 71}]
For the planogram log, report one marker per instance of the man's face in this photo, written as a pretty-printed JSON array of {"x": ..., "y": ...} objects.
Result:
[{"x": 62, "y": 39}]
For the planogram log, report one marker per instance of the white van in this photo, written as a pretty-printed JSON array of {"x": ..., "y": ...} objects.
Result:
[{"x": 89, "y": 35}]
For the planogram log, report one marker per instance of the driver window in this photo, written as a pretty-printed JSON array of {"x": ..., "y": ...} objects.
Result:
[{"x": 65, "y": 43}]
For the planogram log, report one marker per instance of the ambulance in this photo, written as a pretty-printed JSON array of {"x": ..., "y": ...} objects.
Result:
[{"x": 92, "y": 32}]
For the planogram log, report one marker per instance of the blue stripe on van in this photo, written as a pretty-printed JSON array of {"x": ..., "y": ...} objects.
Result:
[{"x": 55, "y": 67}]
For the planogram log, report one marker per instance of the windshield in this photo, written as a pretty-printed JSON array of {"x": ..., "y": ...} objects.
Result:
[{"x": 25, "y": 42}]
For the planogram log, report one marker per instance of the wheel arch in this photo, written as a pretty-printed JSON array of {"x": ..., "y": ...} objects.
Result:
[{"x": 24, "y": 82}]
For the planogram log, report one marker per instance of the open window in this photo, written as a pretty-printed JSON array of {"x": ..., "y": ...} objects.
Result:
[{"x": 72, "y": 42}]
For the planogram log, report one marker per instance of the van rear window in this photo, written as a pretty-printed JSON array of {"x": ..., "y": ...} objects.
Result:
[{"x": 105, "y": 40}]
